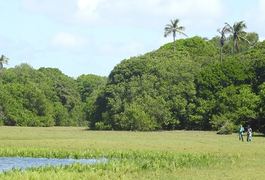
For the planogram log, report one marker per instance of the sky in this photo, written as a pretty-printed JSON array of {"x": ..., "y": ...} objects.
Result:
[{"x": 93, "y": 36}]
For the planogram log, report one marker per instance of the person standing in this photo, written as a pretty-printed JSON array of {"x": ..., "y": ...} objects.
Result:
[
  {"x": 240, "y": 131},
  {"x": 249, "y": 133}
]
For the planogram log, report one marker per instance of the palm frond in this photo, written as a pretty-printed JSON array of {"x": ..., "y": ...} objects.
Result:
[
  {"x": 169, "y": 26},
  {"x": 182, "y": 28},
  {"x": 180, "y": 32},
  {"x": 229, "y": 27},
  {"x": 173, "y": 28},
  {"x": 238, "y": 33},
  {"x": 167, "y": 33},
  {"x": 4, "y": 59},
  {"x": 245, "y": 39}
]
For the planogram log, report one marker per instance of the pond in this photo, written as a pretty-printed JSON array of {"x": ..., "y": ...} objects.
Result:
[{"x": 6, "y": 163}]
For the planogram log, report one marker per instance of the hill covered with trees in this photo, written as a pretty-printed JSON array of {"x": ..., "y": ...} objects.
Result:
[{"x": 188, "y": 88}]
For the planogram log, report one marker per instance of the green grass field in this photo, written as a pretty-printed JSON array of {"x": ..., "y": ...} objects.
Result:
[{"x": 138, "y": 155}]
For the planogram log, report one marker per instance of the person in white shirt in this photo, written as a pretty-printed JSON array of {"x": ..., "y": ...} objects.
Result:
[{"x": 249, "y": 133}]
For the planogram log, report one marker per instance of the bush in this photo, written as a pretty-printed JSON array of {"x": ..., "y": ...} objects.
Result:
[
  {"x": 227, "y": 128},
  {"x": 223, "y": 125}
]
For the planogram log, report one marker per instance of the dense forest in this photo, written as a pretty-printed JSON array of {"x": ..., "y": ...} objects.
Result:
[
  {"x": 188, "y": 88},
  {"x": 46, "y": 97}
]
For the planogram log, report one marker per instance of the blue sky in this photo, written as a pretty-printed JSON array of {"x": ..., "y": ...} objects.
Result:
[{"x": 93, "y": 36}]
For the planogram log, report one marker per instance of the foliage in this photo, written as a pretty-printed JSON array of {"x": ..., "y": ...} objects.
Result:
[
  {"x": 188, "y": 88},
  {"x": 244, "y": 46},
  {"x": 153, "y": 91},
  {"x": 44, "y": 97},
  {"x": 259, "y": 121},
  {"x": 221, "y": 75},
  {"x": 238, "y": 34},
  {"x": 231, "y": 90},
  {"x": 195, "y": 46},
  {"x": 89, "y": 83}
]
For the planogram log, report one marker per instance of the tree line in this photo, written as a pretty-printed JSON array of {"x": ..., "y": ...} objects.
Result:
[
  {"x": 201, "y": 84},
  {"x": 45, "y": 97}
]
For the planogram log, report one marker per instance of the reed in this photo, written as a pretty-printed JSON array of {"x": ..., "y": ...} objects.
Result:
[
  {"x": 134, "y": 155},
  {"x": 122, "y": 162}
]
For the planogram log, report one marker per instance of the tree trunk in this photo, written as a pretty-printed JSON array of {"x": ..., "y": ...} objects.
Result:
[
  {"x": 234, "y": 47},
  {"x": 174, "y": 38},
  {"x": 1, "y": 66}
]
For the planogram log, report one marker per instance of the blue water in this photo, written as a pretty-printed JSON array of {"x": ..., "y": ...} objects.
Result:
[{"x": 7, "y": 163}]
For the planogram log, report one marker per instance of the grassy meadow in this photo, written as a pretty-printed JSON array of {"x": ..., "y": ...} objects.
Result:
[{"x": 134, "y": 155}]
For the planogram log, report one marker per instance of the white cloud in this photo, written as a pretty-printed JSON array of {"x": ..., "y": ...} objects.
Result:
[
  {"x": 88, "y": 4},
  {"x": 68, "y": 41},
  {"x": 87, "y": 12},
  {"x": 156, "y": 8},
  {"x": 147, "y": 13}
]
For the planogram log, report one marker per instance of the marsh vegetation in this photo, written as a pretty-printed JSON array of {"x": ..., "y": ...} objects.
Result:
[{"x": 133, "y": 155}]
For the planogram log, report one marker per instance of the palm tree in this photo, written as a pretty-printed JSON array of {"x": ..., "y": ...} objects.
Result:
[
  {"x": 173, "y": 28},
  {"x": 238, "y": 33},
  {"x": 223, "y": 32},
  {"x": 4, "y": 60}
]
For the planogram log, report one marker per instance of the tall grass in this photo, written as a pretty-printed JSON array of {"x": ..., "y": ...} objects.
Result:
[
  {"x": 134, "y": 155},
  {"x": 120, "y": 162},
  {"x": 153, "y": 156}
]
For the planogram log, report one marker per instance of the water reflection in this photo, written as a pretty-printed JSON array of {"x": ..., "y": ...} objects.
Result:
[{"x": 6, "y": 163}]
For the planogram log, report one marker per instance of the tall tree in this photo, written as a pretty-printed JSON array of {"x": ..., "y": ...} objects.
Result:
[
  {"x": 173, "y": 28},
  {"x": 223, "y": 32},
  {"x": 238, "y": 34},
  {"x": 4, "y": 60}
]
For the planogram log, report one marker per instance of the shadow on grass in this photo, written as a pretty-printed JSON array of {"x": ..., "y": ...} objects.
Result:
[{"x": 258, "y": 135}]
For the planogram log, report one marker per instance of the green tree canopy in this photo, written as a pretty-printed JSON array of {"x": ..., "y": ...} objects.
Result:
[
  {"x": 43, "y": 97},
  {"x": 155, "y": 90}
]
